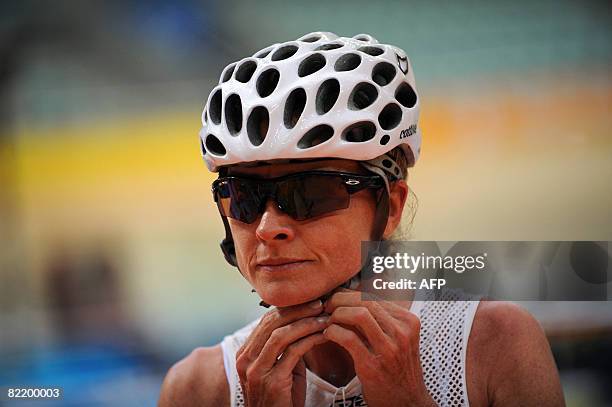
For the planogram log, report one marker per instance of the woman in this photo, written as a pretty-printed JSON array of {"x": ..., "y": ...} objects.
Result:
[{"x": 312, "y": 140}]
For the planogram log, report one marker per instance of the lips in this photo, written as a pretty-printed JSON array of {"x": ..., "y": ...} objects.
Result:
[
  {"x": 281, "y": 264},
  {"x": 279, "y": 261}
]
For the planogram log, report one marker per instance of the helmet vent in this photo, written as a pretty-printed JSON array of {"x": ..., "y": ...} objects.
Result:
[
  {"x": 257, "y": 125},
  {"x": 284, "y": 52},
  {"x": 315, "y": 136},
  {"x": 245, "y": 71},
  {"x": 405, "y": 95},
  {"x": 214, "y": 146},
  {"x": 329, "y": 46},
  {"x": 347, "y": 62},
  {"x": 311, "y": 65},
  {"x": 362, "y": 96},
  {"x": 373, "y": 51},
  {"x": 214, "y": 107},
  {"x": 390, "y": 116},
  {"x": 383, "y": 73},
  {"x": 312, "y": 38},
  {"x": 263, "y": 53},
  {"x": 227, "y": 74},
  {"x": 362, "y": 37},
  {"x": 359, "y": 132},
  {"x": 267, "y": 81},
  {"x": 205, "y": 115},
  {"x": 384, "y": 140},
  {"x": 233, "y": 114},
  {"x": 294, "y": 107},
  {"x": 327, "y": 95}
]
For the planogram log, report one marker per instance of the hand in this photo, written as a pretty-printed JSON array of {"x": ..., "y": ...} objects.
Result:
[
  {"x": 270, "y": 365},
  {"x": 382, "y": 337}
]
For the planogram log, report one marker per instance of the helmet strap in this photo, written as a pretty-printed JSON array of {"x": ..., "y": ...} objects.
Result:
[
  {"x": 382, "y": 204},
  {"x": 227, "y": 245}
]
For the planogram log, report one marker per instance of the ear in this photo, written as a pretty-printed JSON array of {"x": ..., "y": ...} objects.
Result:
[{"x": 397, "y": 199}]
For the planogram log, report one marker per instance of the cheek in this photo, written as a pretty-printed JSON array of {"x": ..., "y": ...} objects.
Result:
[
  {"x": 245, "y": 242},
  {"x": 338, "y": 239}
]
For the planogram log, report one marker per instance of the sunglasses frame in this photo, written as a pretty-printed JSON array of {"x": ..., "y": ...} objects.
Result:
[{"x": 267, "y": 187}]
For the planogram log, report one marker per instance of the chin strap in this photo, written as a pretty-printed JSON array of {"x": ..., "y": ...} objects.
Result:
[{"x": 227, "y": 245}]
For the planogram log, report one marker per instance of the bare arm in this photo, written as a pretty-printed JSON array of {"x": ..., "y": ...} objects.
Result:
[
  {"x": 510, "y": 359},
  {"x": 197, "y": 380}
]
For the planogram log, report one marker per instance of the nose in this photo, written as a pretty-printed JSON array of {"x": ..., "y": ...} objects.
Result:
[{"x": 274, "y": 225}]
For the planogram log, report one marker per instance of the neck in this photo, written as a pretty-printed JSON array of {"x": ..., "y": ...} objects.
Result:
[{"x": 331, "y": 363}]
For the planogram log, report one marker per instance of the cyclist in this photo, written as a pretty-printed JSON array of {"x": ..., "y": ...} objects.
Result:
[{"x": 312, "y": 140}]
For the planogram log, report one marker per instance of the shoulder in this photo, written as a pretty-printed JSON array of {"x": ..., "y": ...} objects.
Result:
[
  {"x": 509, "y": 358},
  {"x": 197, "y": 380},
  {"x": 503, "y": 321},
  {"x": 507, "y": 334}
]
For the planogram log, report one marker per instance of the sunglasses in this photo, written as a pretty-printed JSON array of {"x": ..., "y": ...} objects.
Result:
[{"x": 302, "y": 195}]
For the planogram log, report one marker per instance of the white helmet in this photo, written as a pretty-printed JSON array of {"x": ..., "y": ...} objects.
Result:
[{"x": 319, "y": 96}]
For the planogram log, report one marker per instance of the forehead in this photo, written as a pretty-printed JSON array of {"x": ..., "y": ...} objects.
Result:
[{"x": 280, "y": 169}]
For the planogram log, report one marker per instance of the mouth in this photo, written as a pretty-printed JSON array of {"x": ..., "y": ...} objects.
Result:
[{"x": 277, "y": 265}]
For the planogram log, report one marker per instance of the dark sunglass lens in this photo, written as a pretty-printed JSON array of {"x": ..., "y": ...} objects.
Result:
[
  {"x": 312, "y": 195},
  {"x": 238, "y": 199}
]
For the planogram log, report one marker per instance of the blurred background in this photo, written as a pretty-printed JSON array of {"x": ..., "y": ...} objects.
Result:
[{"x": 110, "y": 269}]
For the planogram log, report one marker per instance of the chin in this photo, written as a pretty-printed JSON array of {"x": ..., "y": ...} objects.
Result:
[
  {"x": 280, "y": 295},
  {"x": 295, "y": 287}
]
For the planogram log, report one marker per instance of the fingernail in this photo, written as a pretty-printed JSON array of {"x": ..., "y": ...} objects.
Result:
[
  {"x": 322, "y": 319},
  {"x": 315, "y": 304}
]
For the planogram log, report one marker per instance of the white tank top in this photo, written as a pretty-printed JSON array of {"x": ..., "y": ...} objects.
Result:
[{"x": 445, "y": 329}]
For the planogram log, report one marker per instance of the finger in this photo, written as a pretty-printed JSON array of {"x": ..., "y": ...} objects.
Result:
[
  {"x": 360, "y": 318},
  {"x": 408, "y": 330},
  {"x": 350, "y": 341},
  {"x": 409, "y": 324},
  {"x": 274, "y": 319},
  {"x": 299, "y": 383},
  {"x": 343, "y": 297},
  {"x": 353, "y": 299},
  {"x": 396, "y": 309},
  {"x": 284, "y": 336},
  {"x": 294, "y": 353}
]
